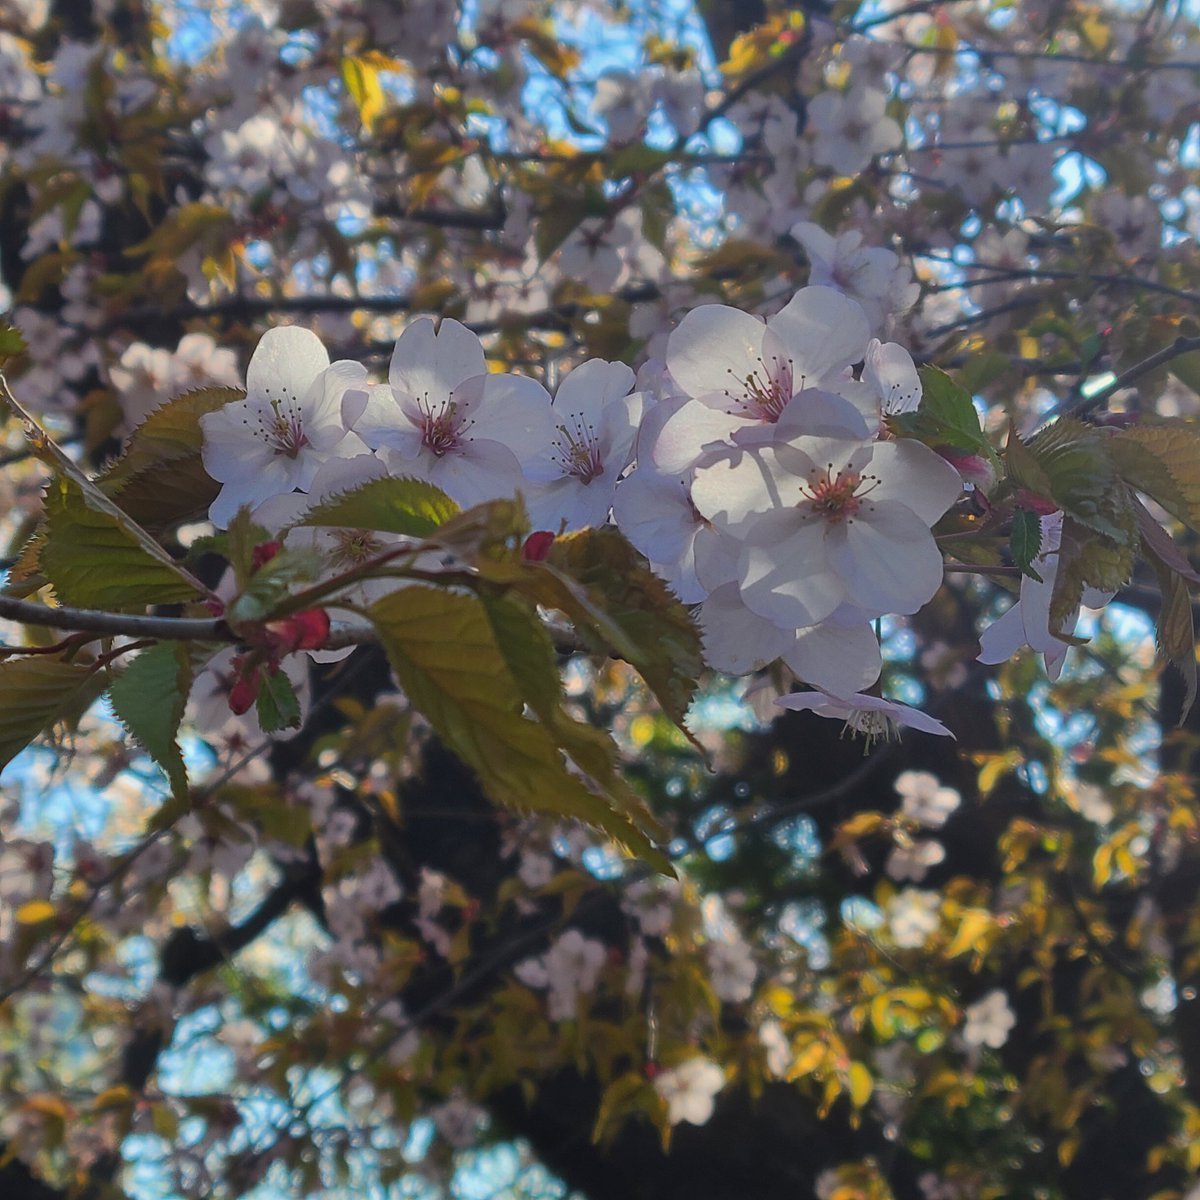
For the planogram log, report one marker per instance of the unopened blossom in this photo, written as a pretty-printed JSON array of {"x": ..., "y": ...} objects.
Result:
[
  {"x": 913, "y": 915},
  {"x": 690, "y": 1090},
  {"x": 924, "y": 799},
  {"x": 989, "y": 1021},
  {"x": 596, "y": 420},
  {"x": 289, "y": 424},
  {"x": 872, "y": 717},
  {"x": 443, "y": 418},
  {"x": 731, "y": 969}
]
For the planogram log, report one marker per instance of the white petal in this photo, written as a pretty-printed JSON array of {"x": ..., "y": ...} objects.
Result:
[
  {"x": 737, "y": 640},
  {"x": 713, "y": 347},
  {"x": 886, "y": 559},
  {"x": 785, "y": 575},
  {"x": 688, "y": 431},
  {"x": 284, "y": 364},
  {"x": 429, "y": 362},
  {"x": 889, "y": 368},
  {"x": 911, "y": 474},
  {"x": 823, "y": 330},
  {"x": 836, "y": 659}
]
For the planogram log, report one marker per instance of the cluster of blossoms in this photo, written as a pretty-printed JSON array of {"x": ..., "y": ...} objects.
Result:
[{"x": 753, "y": 468}]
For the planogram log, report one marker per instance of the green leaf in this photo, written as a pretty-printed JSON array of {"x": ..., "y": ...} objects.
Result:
[
  {"x": 1162, "y": 460},
  {"x": 277, "y": 705},
  {"x": 35, "y": 691},
  {"x": 148, "y": 698},
  {"x": 95, "y": 560},
  {"x": 361, "y": 78},
  {"x": 619, "y": 606},
  {"x": 1025, "y": 541},
  {"x": 271, "y": 584},
  {"x": 1075, "y": 469},
  {"x": 1086, "y": 559},
  {"x": 405, "y": 506},
  {"x": 160, "y": 477},
  {"x": 444, "y": 650},
  {"x": 12, "y": 343},
  {"x": 530, "y": 655},
  {"x": 946, "y": 417}
]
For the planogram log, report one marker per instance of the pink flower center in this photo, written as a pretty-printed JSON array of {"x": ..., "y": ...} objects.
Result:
[
  {"x": 442, "y": 426},
  {"x": 577, "y": 451},
  {"x": 281, "y": 425},
  {"x": 762, "y": 394},
  {"x": 838, "y": 497}
]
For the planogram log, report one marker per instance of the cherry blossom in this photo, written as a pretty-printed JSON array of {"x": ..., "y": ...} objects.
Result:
[
  {"x": 876, "y": 719},
  {"x": 443, "y": 418},
  {"x": 910, "y": 860},
  {"x": 289, "y": 424},
  {"x": 924, "y": 799},
  {"x": 913, "y": 915},
  {"x": 569, "y": 969},
  {"x": 989, "y": 1021},
  {"x": 596, "y": 421},
  {"x": 689, "y": 1090},
  {"x": 851, "y": 128},
  {"x": 731, "y": 969}
]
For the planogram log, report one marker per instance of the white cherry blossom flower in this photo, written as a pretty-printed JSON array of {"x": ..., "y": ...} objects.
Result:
[
  {"x": 851, "y": 128},
  {"x": 909, "y": 861},
  {"x": 442, "y": 418},
  {"x": 742, "y": 373},
  {"x": 596, "y": 421},
  {"x": 829, "y": 520},
  {"x": 731, "y": 969},
  {"x": 924, "y": 799},
  {"x": 873, "y": 717},
  {"x": 913, "y": 915},
  {"x": 989, "y": 1021},
  {"x": 289, "y": 424},
  {"x": 569, "y": 969},
  {"x": 690, "y": 1090}
]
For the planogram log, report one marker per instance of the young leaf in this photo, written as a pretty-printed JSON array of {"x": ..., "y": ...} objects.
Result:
[
  {"x": 442, "y": 646},
  {"x": 1025, "y": 541},
  {"x": 35, "y": 692},
  {"x": 1164, "y": 462},
  {"x": 148, "y": 698},
  {"x": 1073, "y": 460},
  {"x": 95, "y": 560},
  {"x": 277, "y": 706},
  {"x": 946, "y": 417},
  {"x": 1086, "y": 559},
  {"x": 406, "y": 506},
  {"x": 160, "y": 478},
  {"x": 609, "y": 585}
]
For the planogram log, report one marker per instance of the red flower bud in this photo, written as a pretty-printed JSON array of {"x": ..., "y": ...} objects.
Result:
[
  {"x": 244, "y": 692},
  {"x": 308, "y": 630},
  {"x": 537, "y": 546},
  {"x": 264, "y": 552}
]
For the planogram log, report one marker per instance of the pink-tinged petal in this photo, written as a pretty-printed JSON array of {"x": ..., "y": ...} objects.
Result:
[
  {"x": 852, "y": 709},
  {"x": 591, "y": 387},
  {"x": 383, "y": 422},
  {"x": 428, "y": 362},
  {"x": 715, "y": 348},
  {"x": 484, "y": 471},
  {"x": 284, "y": 363},
  {"x": 742, "y": 483},
  {"x": 890, "y": 370},
  {"x": 823, "y": 330},
  {"x": 911, "y": 474},
  {"x": 512, "y": 410},
  {"x": 836, "y": 659},
  {"x": 784, "y": 571},
  {"x": 689, "y": 431},
  {"x": 653, "y": 511},
  {"x": 568, "y": 503},
  {"x": 1003, "y": 637},
  {"x": 886, "y": 559},
  {"x": 736, "y": 640},
  {"x": 818, "y": 413}
]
